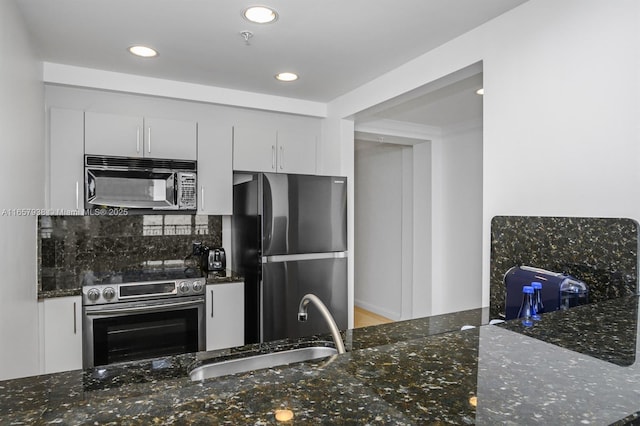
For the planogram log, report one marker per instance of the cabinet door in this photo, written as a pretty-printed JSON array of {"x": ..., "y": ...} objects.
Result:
[
  {"x": 254, "y": 149},
  {"x": 66, "y": 145},
  {"x": 296, "y": 151},
  {"x": 225, "y": 315},
  {"x": 113, "y": 134},
  {"x": 172, "y": 139},
  {"x": 62, "y": 334},
  {"x": 215, "y": 174}
]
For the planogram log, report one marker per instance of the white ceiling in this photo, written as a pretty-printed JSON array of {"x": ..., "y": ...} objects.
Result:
[{"x": 334, "y": 45}]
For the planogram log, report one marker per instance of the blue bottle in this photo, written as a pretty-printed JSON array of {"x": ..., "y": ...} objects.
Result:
[
  {"x": 526, "y": 308},
  {"x": 538, "y": 307}
]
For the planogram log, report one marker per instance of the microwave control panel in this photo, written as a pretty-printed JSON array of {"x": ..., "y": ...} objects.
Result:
[{"x": 187, "y": 191}]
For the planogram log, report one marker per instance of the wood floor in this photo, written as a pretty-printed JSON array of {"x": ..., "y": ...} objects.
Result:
[{"x": 364, "y": 318}]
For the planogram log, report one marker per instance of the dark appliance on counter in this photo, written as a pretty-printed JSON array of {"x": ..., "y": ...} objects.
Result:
[
  {"x": 289, "y": 239},
  {"x": 210, "y": 259},
  {"x": 142, "y": 314},
  {"x": 216, "y": 259},
  {"x": 559, "y": 290},
  {"x": 140, "y": 183}
]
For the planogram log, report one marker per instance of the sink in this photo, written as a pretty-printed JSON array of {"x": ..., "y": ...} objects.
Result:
[{"x": 257, "y": 362}]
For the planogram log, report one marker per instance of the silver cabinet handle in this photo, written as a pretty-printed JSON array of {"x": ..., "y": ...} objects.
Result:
[
  {"x": 281, "y": 158},
  {"x": 77, "y": 195},
  {"x": 149, "y": 140},
  {"x": 211, "y": 303},
  {"x": 138, "y": 140},
  {"x": 273, "y": 157},
  {"x": 75, "y": 321},
  {"x": 202, "y": 197}
]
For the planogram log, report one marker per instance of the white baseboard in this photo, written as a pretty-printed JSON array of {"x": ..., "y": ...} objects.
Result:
[{"x": 395, "y": 316}]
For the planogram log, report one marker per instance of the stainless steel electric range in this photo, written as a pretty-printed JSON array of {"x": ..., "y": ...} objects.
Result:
[{"x": 142, "y": 314}]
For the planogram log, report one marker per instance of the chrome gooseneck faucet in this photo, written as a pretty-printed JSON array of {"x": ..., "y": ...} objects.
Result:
[{"x": 302, "y": 316}]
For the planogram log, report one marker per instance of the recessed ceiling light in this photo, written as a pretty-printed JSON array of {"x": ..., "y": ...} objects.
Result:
[
  {"x": 480, "y": 91},
  {"x": 260, "y": 14},
  {"x": 143, "y": 51},
  {"x": 283, "y": 415},
  {"x": 287, "y": 76}
]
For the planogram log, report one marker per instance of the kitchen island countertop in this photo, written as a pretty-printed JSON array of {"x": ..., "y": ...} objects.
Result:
[{"x": 420, "y": 371}]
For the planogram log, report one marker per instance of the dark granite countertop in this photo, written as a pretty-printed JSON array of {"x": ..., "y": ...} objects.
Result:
[
  {"x": 227, "y": 276},
  {"x": 411, "y": 372}
]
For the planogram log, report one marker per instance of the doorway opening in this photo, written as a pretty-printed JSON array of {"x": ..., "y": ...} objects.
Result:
[{"x": 418, "y": 201}]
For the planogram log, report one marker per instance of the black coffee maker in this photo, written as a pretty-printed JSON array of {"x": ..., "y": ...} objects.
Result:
[
  {"x": 211, "y": 259},
  {"x": 214, "y": 259}
]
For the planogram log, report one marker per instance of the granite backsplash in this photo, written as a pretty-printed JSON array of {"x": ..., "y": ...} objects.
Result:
[
  {"x": 602, "y": 252},
  {"x": 72, "y": 247}
]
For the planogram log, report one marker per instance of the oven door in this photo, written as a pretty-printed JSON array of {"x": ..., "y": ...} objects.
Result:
[{"x": 139, "y": 330}]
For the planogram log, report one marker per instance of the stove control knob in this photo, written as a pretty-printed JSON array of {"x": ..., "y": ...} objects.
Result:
[
  {"x": 93, "y": 294},
  {"x": 197, "y": 286},
  {"x": 184, "y": 287},
  {"x": 108, "y": 293}
]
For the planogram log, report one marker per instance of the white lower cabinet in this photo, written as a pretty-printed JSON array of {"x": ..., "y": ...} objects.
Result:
[
  {"x": 225, "y": 315},
  {"x": 61, "y": 334}
]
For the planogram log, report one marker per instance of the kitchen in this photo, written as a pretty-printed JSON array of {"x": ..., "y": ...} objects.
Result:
[{"x": 540, "y": 68}]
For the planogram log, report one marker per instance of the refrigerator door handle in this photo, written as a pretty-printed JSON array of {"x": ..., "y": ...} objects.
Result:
[{"x": 305, "y": 256}]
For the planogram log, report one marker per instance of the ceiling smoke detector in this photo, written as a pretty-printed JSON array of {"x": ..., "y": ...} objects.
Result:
[{"x": 246, "y": 35}]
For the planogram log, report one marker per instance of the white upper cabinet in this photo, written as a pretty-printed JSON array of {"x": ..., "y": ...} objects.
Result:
[
  {"x": 215, "y": 176},
  {"x": 112, "y": 134},
  {"x": 297, "y": 151},
  {"x": 134, "y": 136},
  {"x": 172, "y": 139},
  {"x": 254, "y": 149},
  {"x": 263, "y": 149},
  {"x": 66, "y": 162}
]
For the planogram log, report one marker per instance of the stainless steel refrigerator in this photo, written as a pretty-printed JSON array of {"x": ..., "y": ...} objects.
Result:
[{"x": 290, "y": 239}]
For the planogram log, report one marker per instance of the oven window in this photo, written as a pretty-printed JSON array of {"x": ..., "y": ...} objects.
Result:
[{"x": 141, "y": 336}]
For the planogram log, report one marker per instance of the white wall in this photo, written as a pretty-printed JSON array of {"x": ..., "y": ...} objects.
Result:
[
  {"x": 422, "y": 230},
  {"x": 457, "y": 223},
  {"x": 378, "y": 228},
  {"x": 21, "y": 186},
  {"x": 561, "y": 106}
]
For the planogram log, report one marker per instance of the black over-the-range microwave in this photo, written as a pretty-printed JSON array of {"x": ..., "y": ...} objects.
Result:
[{"x": 140, "y": 183}]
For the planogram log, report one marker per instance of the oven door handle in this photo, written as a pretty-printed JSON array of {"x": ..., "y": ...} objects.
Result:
[{"x": 140, "y": 309}]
